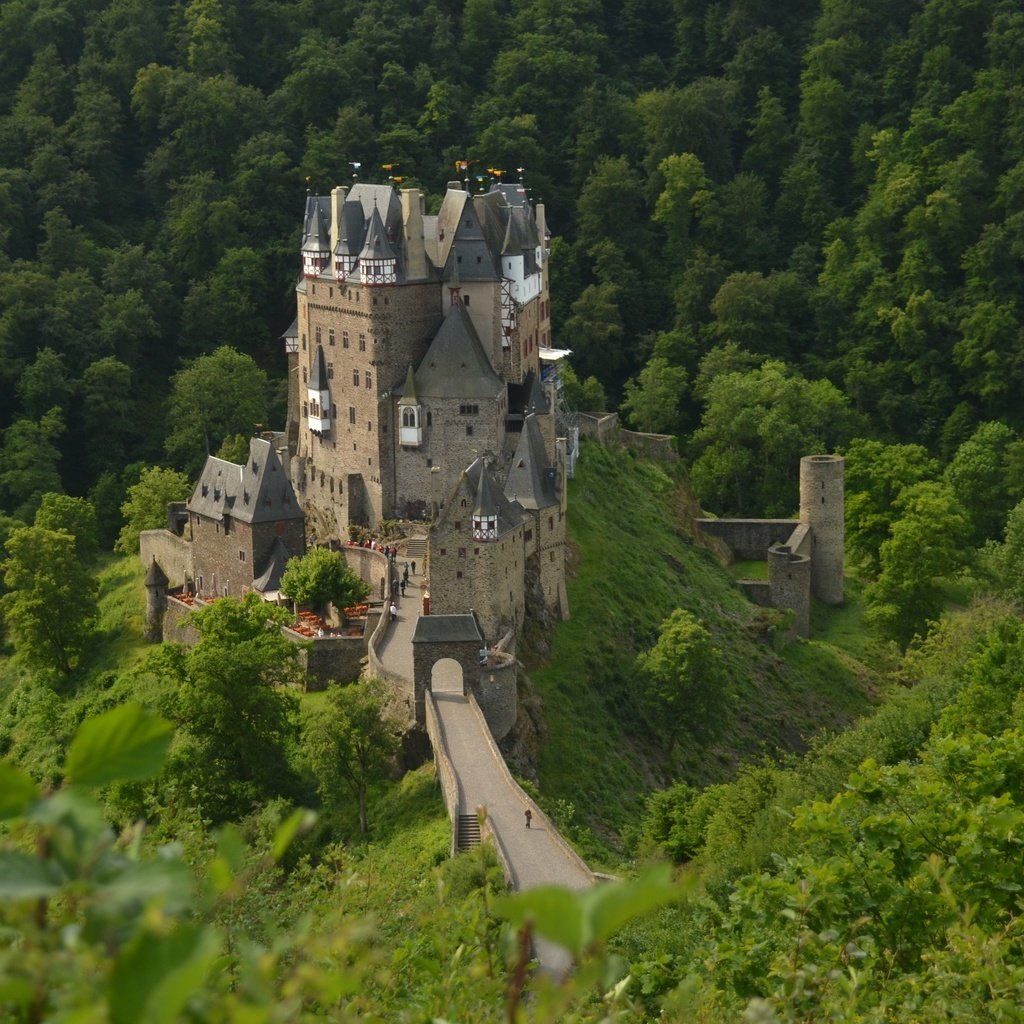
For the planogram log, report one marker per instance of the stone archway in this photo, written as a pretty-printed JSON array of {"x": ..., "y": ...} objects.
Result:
[
  {"x": 447, "y": 676},
  {"x": 439, "y": 639}
]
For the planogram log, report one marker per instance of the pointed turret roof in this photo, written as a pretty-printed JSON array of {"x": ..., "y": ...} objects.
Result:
[
  {"x": 531, "y": 481},
  {"x": 155, "y": 576},
  {"x": 351, "y": 228},
  {"x": 485, "y": 505},
  {"x": 537, "y": 401},
  {"x": 377, "y": 246},
  {"x": 456, "y": 365},
  {"x": 318, "y": 231},
  {"x": 318, "y": 375},
  {"x": 409, "y": 391}
]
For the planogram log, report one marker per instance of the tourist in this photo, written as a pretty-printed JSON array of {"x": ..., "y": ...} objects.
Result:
[
  {"x": 394, "y": 611},
  {"x": 529, "y": 817}
]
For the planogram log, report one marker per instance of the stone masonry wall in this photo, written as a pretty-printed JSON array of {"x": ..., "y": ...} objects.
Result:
[
  {"x": 173, "y": 553},
  {"x": 749, "y": 538}
]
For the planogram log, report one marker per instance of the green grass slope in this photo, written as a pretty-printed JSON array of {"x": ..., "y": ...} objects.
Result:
[{"x": 635, "y": 559}]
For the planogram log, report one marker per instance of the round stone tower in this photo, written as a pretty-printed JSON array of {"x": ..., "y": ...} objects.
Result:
[
  {"x": 821, "y": 508},
  {"x": 789, "y": 583}
]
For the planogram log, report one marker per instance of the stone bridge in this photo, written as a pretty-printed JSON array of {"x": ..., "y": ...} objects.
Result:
[{"x": 439, "y": 666}]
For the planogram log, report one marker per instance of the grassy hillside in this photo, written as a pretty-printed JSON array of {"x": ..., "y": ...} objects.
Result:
[{"x": 635, "y": 559}]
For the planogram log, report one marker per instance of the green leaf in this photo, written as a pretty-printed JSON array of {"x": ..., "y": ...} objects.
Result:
[
  {"x": 156, "y": 975},
  {"x": 553, "y": 911},
  {"x": 166, "y": 881},
  {"x": 607, "y": 908},
  {"x": 287, "y": 830},
  {"x": 17, "y": 791},
  {"x": 125, "y": 743},
  {"x": 23, "y": 877}
]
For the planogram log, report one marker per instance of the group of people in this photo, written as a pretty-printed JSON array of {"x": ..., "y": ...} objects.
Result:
[{"x": 389, "y": 551}]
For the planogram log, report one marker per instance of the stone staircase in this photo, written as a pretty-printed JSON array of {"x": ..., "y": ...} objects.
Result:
[
  {"x": 415, "y": 550},
  {"x": 468, "y": 834}
]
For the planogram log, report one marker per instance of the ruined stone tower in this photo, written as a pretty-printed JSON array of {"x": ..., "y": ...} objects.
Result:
[{"x": 821, "y": 508}]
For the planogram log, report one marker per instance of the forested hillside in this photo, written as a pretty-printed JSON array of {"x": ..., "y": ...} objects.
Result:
[
  {"x": 779, "y": 228},
  {"x": 834, "y": 187}
]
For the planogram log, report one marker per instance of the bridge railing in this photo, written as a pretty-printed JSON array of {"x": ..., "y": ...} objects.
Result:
[
  {"x": 527, "y": 801},
  {"x": 445, "y": 770}
]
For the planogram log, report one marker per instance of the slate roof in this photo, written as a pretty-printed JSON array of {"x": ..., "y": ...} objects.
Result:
[
  {"x": 450, "y": 628},
  {"x": 377, "y": 246},
  {"x": 257, "y": 492},
  {"x": 270, "y": 578},
  {"x": 531, "y": 480},
  {"x": 456, "y": 365},
  {"x": 409, "y": 390},
  {"x": 316, "y": 235},
  {"x": 351, "y": 227},
  {"x": 318, "y": 374},
  {"x": 510, "y": 514}
]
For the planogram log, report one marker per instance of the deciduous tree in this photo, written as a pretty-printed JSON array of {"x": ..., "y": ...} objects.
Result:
[
  {"x": 321, "y": 575},
  {"x": 50, "y": 604},
  {"x": 350, "y": 743},
  {"x": 146, "y": 505}
]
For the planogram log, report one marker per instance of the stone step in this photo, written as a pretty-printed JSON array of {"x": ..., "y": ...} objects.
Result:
[{"x": 468, "y": 834}]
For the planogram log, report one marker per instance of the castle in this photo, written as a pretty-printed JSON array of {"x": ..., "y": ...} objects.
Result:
[
  {"x": 805, "y": 555},
  {"x": 421, "y": 387}
]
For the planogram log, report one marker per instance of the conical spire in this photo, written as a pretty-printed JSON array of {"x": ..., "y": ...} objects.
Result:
[{"x": 409, "y": 391}]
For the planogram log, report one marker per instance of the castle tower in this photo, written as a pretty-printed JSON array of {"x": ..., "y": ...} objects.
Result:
[
  {"x": 789, "y": 582},
  {"x": 821, "y": 508},
  {"x": 156, "y": 602}
]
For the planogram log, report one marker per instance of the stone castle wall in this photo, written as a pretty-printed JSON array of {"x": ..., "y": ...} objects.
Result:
[
  {"x": 173, "y": 554},
  {"x": 749, "y": 539}
]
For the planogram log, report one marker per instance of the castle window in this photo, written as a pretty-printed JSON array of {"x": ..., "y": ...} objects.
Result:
[
  {"x": 552, "y": 558},
  {"x": 375, "y": 300},
  {"x": 330, "y": 293},
  {"x": 318, "y": 334},
  {"x": 472, "y": 409},
  {"x": 479, "y": 259},
  {"x": 355, "y": 378},
  {"x": 241, "y": 556},
  {"x": 430, "y": 418},
  {"x": 205, "y": 489},
  {"x": 369, "y": 425},
  {"x": 462, "y": 552},
  {"x": 368, "y": 379},
  {"x": 551, "y": 522},
  {"x": 476, "y": 551},
  {"x": 362, "y": 340},
  {"x": 459, "y": 258},
  {"x": 303, "y": 342},
  {"x": 330, "y": 371},
  {"x": 463, "y": 503},
  {"x": 430, "y": 462},
  {"x": 352, "y": 414},
  {"x": 314, "y": 292},
  {"x": 444, "y": 551},
  {"x": 409, "y": 416},
  {"x": 344, "y": 339},
  {"x": 458, "y": 574},
  {"x": 330, "y": 336},
  {"x": 458, "y": 524},
  {"x": 528, "y": 536},
  {"x": 469, "y": 430},
  {"x": 465, "y": 298}
]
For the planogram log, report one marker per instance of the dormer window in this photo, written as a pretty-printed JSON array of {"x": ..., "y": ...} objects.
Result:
[{"x": 485, "y": 527}]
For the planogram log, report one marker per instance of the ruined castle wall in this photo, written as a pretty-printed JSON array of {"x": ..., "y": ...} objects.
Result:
[{"x": 749, "y": 538}]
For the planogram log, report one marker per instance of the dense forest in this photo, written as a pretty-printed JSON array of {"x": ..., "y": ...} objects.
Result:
[{"x": 779, "y": 228}]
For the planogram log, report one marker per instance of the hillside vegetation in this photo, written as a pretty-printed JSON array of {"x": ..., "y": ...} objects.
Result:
[{"x": 635, "y": 559}]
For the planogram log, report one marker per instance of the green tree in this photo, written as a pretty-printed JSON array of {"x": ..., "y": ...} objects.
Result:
[
  {"x": 235, "y": 707},
  {"x": 29, "y": 463},
  {"x": 50, "y": 605},
  {"x": 76, "y": 516},
  {"x": 875, "y": 476},
  {"x": 319, "y": 576},
  {"x": 350, "y": 743},
  {"x": 684, "y": 676},
  {"x": 756, "y": 426},
  {"x": 146, "y": 505},
  {"x": 926, "y": 545},
  {"x": 979, "y": 476},
  {"x": 652, "y": 399},
  {"x": 213, "y": 397}
]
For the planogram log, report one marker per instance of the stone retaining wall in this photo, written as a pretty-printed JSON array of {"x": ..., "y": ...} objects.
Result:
[
  {"x": 749, "y": 539},
  {"x": 173, "y": 554}
]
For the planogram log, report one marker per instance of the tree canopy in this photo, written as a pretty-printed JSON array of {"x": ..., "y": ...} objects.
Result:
[{"x": 321, "y": 576}]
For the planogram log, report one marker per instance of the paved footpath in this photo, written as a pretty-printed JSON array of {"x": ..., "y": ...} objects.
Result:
[{"x": 534, "y": 855}]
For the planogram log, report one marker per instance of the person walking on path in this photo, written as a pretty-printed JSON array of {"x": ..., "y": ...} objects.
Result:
[
  {"x": 394, "y": 611},
  {"x": 529, "y": 817},
  {"x": 414, "y": 568},
  {"x": 403, "y": 588}
]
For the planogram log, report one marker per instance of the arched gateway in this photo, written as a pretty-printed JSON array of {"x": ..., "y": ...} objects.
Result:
[{"x": 490, "y": 677}]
